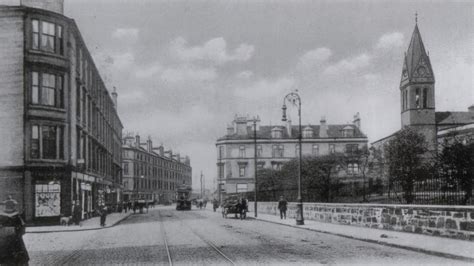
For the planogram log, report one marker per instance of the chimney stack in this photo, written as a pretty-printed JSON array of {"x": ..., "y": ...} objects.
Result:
[
  {"x": 241, "y": 126},
  {"x": 230, "y": 130},
  {"x": 356, "y": 121},
  {"x": 137, "y": 141},
  {"x": 149, "y": 144},
  {"x": 323, "y": 128}
]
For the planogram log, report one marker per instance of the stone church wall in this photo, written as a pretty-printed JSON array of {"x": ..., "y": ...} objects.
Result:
[{"x": 446, "y": 221}]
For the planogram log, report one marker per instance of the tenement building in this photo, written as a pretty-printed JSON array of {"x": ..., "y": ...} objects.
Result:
[
  {"x": 417, "y": 102},
  {"x": 150, "y": 173},
  {"x": 279, "y": 144},
  {"x": 60, "y": 133}
]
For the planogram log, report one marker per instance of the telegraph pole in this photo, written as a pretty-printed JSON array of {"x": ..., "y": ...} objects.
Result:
[{"x": 201, "y": 184}]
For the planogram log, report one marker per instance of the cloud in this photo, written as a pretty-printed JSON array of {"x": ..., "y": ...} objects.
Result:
[
  {"x": 149, "y": 71},
  {"x": 314, "y": 58},
  {"x": 265, "y": 89},
  {"x": 390, "y": 40},
  {"x": 244, "y": 74},
  {"x": 124, "y": 60},
  {"x": 349, "y": 64},
  {"x": 188, "y": 73},
  {"x": 214, "y": 50},
  {"x": 127, "y": 34}
]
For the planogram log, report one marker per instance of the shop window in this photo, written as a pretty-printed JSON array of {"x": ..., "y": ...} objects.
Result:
[{"x": 47, "y": 199}]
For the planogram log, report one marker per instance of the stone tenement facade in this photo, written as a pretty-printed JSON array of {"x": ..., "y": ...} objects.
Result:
[
  {"x": 60, "y": 132},
  {"x": 452, "y": 221},
  {"x": 279, "y": 144},
  {"x": 151, "y": 173}
]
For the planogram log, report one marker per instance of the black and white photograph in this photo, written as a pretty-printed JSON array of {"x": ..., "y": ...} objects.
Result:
[{"x": 236, "y": 132}]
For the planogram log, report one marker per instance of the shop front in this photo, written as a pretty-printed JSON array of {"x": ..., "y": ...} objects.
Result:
[{"x": 50, "y": 190}]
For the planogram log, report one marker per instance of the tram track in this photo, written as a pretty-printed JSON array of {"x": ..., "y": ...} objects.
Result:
[
  {"x": 162, "y": 227},
  {"x": 203, "y": 239}
]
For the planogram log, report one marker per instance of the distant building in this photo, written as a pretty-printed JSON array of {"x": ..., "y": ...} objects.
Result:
[
  {"x": 60, "y": 132},
  {"x": 417, "y": 102},
  {"x": 279, "y": 144},
  {"x": 151, "y": 173}
]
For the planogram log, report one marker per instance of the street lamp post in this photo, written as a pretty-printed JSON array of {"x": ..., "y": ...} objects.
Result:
[
  {"x": 255, "y": 120},
  {"x": 294, "y": 98}
]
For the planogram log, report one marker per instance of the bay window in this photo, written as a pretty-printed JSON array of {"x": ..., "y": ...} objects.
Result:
[
  {"x": 46, "y": 142},
  {"x": 47, "y": 89},
  {"x": 47, "y": 37}
]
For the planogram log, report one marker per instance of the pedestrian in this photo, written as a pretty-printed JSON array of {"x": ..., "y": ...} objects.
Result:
[
  {"x": 215, "y": 204},
  {"x": 135, "y": 207},
  {"x": 12, "y": 229},
  {"x": 76, "y": 214},
  {"x": 125, "y": 206},
  {"x": 243, "y": 208},
  {"x": 200, "y": 204},
  {"x": 103, "y": 215},
  {"x": 282, "y": 205},
  {"x": 10, "y": 205}
]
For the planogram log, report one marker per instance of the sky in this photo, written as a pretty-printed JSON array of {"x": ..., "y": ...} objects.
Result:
[{"x": 184, "y": 69}]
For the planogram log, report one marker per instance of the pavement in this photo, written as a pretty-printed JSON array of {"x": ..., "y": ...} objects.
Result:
[
  {"x": 89, "y": 224},
  {"x": 440, "y": 246}
]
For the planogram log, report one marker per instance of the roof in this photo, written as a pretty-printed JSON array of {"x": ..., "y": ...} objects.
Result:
[
  {"x": 264, "y": 132},
  {"x": 454, "y": 118},
  {"x": 416, "y": 57}
]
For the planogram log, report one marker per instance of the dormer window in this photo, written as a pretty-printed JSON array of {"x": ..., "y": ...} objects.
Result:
[
  {"x": 277, "y": 133},
  {"x": 348, "y": 132},
  {"x": 307, "y": 132}
]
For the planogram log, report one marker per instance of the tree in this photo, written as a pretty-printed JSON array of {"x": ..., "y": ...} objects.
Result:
[
  {"x": 456, "y": 162},
  {"x": 405, "y": 160},
  {"x": 317, "y": 176}
]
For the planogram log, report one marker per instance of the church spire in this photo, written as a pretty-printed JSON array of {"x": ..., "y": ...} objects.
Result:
[{"x": 417, "y": 65}]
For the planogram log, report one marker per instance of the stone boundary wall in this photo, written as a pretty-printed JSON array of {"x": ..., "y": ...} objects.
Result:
[{"x": 447, "y": 221}]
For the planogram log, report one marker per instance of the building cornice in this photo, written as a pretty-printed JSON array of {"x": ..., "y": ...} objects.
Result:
[{"x": 266, "y": 141}]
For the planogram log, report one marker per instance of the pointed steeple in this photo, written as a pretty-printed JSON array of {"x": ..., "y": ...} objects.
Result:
[{"x": 417, "y": 65}]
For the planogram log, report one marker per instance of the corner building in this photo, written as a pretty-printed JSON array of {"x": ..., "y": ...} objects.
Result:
[
  {"x": 279, "y": 144},
  {"x": 152, "y": 174},
  {"x": 60, "y": 132}
]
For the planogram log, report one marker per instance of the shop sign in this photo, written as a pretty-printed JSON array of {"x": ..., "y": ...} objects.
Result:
[{"x": 86, "y": 186}]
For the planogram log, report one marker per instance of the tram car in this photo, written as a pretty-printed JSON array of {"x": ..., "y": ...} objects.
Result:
[{"x": 183, "y": 195}]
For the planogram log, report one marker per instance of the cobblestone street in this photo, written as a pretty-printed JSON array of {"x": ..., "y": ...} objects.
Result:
[{"x": 192, "y": 235}]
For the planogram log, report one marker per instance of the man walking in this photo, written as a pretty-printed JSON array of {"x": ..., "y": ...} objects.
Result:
[{"x": 282, "y": 204}]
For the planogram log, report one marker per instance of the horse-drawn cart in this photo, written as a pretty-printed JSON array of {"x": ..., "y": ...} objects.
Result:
[{"x": 234, "y": 206}]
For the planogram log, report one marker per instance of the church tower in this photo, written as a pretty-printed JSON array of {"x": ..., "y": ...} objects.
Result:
[{"x": 417, "y": 90}]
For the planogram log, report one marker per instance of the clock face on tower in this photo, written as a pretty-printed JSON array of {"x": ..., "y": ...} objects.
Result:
[{"x": 421, "y": 71}]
